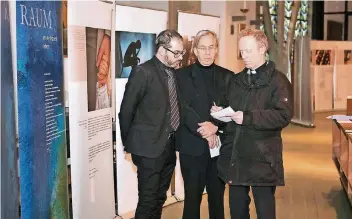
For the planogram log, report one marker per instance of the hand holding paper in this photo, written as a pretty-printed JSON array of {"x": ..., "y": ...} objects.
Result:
[
  {"x": 215, "y": 108},
  {"x": 223, "y": 115},
  {"x": 237, "y": 117}
]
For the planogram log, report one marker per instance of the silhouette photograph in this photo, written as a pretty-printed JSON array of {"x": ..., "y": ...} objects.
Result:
[{"x": 132, "y": 49}]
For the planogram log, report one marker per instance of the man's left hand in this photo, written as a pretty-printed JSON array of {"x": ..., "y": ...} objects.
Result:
[
  {"x": 237, "y": 117},
  {"x": 207, "y": 129},
  {"x": 212, "y": 141}
]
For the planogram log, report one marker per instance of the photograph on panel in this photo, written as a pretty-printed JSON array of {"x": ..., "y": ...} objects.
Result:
[
  {"x": 132, "y": 49},
  {"x": 189, "y": 58},
  {"x": 322, "y": 57},
  {"x": 98, "y": 46}
]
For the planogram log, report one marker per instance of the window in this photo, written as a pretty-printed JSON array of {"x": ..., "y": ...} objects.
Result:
[{"x": 302, "y": 18}]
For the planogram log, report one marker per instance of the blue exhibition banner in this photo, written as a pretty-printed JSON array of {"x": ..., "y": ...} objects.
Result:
[
  {"x": 9, "y": 179},
  {"x": 41, "y": 116}
]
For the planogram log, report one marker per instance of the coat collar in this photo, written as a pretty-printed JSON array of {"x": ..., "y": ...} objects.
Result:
[
  {"x": 264, "y": 75},
  {"x": 194, "y": 72}
]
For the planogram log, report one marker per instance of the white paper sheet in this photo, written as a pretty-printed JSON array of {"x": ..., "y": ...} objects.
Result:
[
  {"x": 340, "y": 117},
  {"x": 221, "y": 115}
]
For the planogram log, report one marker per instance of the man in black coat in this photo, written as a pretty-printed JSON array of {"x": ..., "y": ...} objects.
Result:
[
  {"x": 149, "y": 117},
  {"x": 201, "y": 85},
  {"x": 251, "y": 155}
]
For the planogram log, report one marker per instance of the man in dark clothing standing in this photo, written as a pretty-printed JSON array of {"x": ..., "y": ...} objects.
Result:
[
  {"x": 149, "y": 117},
  {"x": 201, "y": 85},
  {"x": 251, "y": 155}
]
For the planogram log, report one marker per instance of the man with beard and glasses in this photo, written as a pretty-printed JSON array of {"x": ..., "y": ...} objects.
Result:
[{"x": 149, "y": 117}]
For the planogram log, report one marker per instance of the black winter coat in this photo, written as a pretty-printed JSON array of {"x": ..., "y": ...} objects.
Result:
[{"x": 251, "y": 154}]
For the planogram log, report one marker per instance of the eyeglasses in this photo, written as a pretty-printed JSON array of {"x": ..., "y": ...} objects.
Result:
[
  {"x": 204, "y": 49},
  {"x": 176, "y": 53}
]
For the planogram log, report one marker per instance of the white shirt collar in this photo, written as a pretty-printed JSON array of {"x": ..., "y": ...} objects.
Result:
[{"x": 250, "y": 71}]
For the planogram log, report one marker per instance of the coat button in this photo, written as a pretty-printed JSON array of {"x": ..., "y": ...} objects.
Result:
[{"x": 230, "y": 182}]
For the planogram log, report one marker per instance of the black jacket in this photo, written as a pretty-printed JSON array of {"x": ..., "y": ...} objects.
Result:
[
  {"x": 252, "y": 152},
  {"x": 145, "y": 110},
  {"x": 195, "y": 107}
]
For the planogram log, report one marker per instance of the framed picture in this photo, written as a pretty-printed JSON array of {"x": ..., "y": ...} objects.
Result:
[
  {"x": 240, "y": 28},
  {"x": 322, "y": 57},
  {"x": 132, "y": 49}
]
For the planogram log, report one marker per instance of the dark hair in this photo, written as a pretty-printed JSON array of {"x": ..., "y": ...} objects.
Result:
[{"x": 164, "y": 38}]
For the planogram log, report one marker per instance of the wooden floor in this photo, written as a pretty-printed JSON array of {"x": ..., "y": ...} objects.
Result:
[{"x": 313, "y": 189}]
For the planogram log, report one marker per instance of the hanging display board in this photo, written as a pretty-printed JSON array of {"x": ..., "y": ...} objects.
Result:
[
  {"x": 188, "y": 31},
  {"x": 41, "y": 117},
  {"x": 331, "y": 63},
  {"x": 134, "y": 38},
  {"x": 90, "y": 69},
  {"x": 8, "y": 159}
]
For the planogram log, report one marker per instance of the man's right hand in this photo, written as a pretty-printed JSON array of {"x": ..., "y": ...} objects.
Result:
[{"x": 215, "y": 109}]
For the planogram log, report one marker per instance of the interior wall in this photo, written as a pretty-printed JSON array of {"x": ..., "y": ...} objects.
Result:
[
  {"x": 228, "y": 42},
  {"x": 175, "y": 6},
  {"x": 233, "y": 9},
  {"x": 218, "y": 8},
  {"x": 224, "y": 9},
  {"x": 333, "y": 6},
  {"x": 156, "y": 5}
]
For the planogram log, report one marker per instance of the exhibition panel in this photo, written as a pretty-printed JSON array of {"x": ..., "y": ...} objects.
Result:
[
  {"x": 135, "y": 44},
  {"x": 90, "y": 52},
  {"x": 8, "y": 145}
]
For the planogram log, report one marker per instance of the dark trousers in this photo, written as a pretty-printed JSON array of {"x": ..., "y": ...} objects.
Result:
[
  {"x": 199, "y": 172},
  {"x": 154, "y": 177},
  {"x": 264, "y": 200}
]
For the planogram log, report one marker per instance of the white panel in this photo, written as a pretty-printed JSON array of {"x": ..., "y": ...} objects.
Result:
[
  {"x": 140, "y": 20},
  {"x": 343, "y": 86},
  {"x": 330, "y": 85},
  {"x": 190, "y": 24},
  {"x": 90, "y": 14},
  {"x": 219, "y": 9},
  {"x": 333, "y": 45},
  {"x": 156, "y": 5},
  {"x": 323, "y": 86},
  {"x": 144, "y": 21},
  {"x": 90, "y": 131}
]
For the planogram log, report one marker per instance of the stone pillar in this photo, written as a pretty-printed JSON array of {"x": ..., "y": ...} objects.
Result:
[{"x": 174, "y": 6}]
